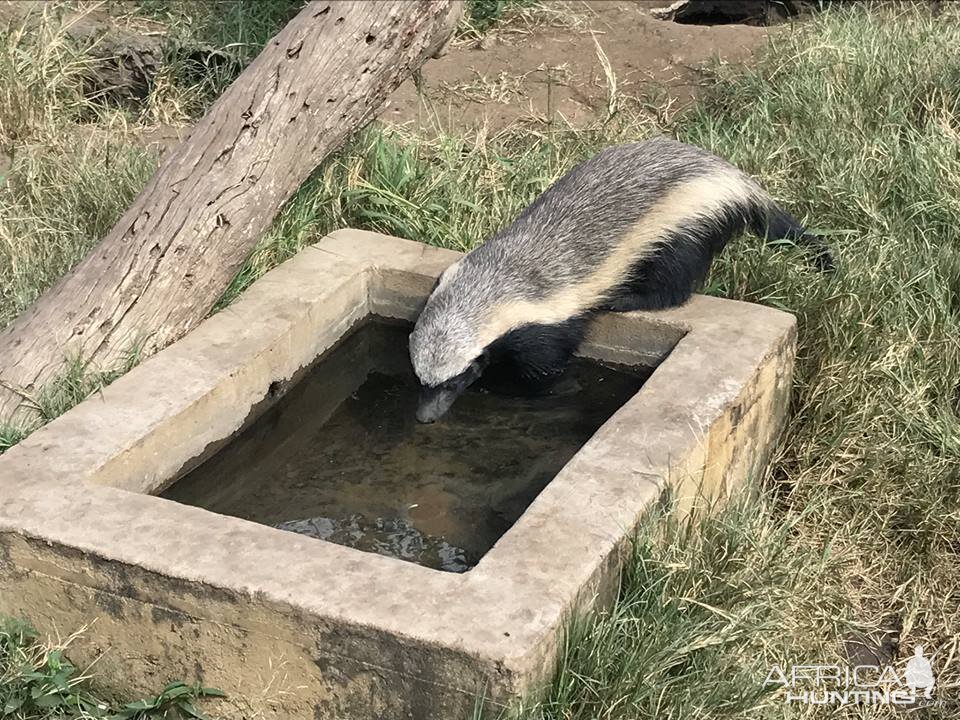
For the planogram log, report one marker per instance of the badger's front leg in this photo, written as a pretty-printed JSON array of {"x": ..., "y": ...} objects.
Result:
[{"x": 530, "y": 359}]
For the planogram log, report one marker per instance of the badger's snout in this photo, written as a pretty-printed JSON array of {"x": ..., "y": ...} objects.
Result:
[
  {"x": 434, "y": 403},
  {"x": 436, "y": 400}
]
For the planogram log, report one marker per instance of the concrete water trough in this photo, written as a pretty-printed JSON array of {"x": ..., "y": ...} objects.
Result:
[{"x": 94, "y": 527}]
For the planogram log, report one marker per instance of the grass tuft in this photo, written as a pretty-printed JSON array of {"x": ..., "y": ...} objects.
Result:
[
  {"x": 70, "y": 167},
  {"x": 483, "y": 14},
  {"x": 41, "y": 79},
  {"x": 690, "y": 634},
  {"x": 209, "y": 43},
  {"x": 38, "y": 682},
  {"x": 76, "y": 382}
]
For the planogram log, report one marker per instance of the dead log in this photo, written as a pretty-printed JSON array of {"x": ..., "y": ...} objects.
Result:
[{"x": 166, "y": 262}]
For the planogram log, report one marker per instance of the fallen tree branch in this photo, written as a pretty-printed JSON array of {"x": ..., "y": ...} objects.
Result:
[{"x": 160, "y": 270}]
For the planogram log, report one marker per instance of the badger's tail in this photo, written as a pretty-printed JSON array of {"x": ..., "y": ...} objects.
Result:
[{"x": 774, "y": 223}]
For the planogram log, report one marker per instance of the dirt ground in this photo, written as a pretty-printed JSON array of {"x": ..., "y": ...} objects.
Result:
[
  {"x": 549, "y": 64},
  {"x": 564, "y": 61}
]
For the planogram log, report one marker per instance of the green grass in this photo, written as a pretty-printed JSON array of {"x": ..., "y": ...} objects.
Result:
[
  {"x": 75, "y": 382},
  {"x": 37, "y": 682},
  {"x": 73, "y": 169},
  {"x": 69, "y": 166},
  {"x": 67, "y": 179},
  {"x": 74, "y": 165},
  {"x": 484, "y": 14},
  {"x": 208, "y": 43},
  {"x": 62, "y": 194},
  {"x": 853, "y": 121},
  {"x": 691, "y": 633}
]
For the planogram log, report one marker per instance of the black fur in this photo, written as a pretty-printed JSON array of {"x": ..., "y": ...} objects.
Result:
[
  {"x": 677, "y": 268},
  {"x": 530, "y": 359},
  {"x": 563, "y": 238},
  {"x": 669, "y": 276},
  {"x": 774, "y": 223}
]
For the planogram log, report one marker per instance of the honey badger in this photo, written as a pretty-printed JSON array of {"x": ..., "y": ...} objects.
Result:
[{"x": 635, "y": 227}]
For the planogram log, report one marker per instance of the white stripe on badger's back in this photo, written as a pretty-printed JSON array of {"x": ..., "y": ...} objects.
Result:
[{"x": 700, "y": 198}]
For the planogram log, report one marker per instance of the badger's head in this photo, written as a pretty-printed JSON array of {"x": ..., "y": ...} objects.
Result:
[{"x": 445, "y": 347}]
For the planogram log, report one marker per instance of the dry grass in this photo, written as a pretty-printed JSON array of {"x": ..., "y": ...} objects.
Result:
[
  {"x": 70, "y": 164},
  {"x": 505, "y": 88},
  {"x": 513, "y": 21}
]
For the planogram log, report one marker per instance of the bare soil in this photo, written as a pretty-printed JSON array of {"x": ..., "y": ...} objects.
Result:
[
  {"x": 549, "y": 66},
  {"x": 535, "y": 67}
]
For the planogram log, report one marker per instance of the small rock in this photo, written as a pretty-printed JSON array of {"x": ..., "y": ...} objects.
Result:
[{"x": 487, "y": 41}]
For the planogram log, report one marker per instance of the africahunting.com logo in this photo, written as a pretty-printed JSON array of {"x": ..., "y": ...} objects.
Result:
[{"x": 857, "y": 685}]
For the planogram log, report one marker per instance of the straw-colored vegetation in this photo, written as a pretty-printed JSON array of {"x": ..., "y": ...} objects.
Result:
[{"x": 854, "y": 122}]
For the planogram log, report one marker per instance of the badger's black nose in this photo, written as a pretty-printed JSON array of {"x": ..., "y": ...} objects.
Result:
[{"x": 434, "y": 403}]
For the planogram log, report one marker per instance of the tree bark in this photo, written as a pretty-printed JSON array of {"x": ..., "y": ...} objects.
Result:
[{"x": 170, "y": 257}]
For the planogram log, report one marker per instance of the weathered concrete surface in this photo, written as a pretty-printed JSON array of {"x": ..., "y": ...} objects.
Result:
[{"x": 293, "y": 627}]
